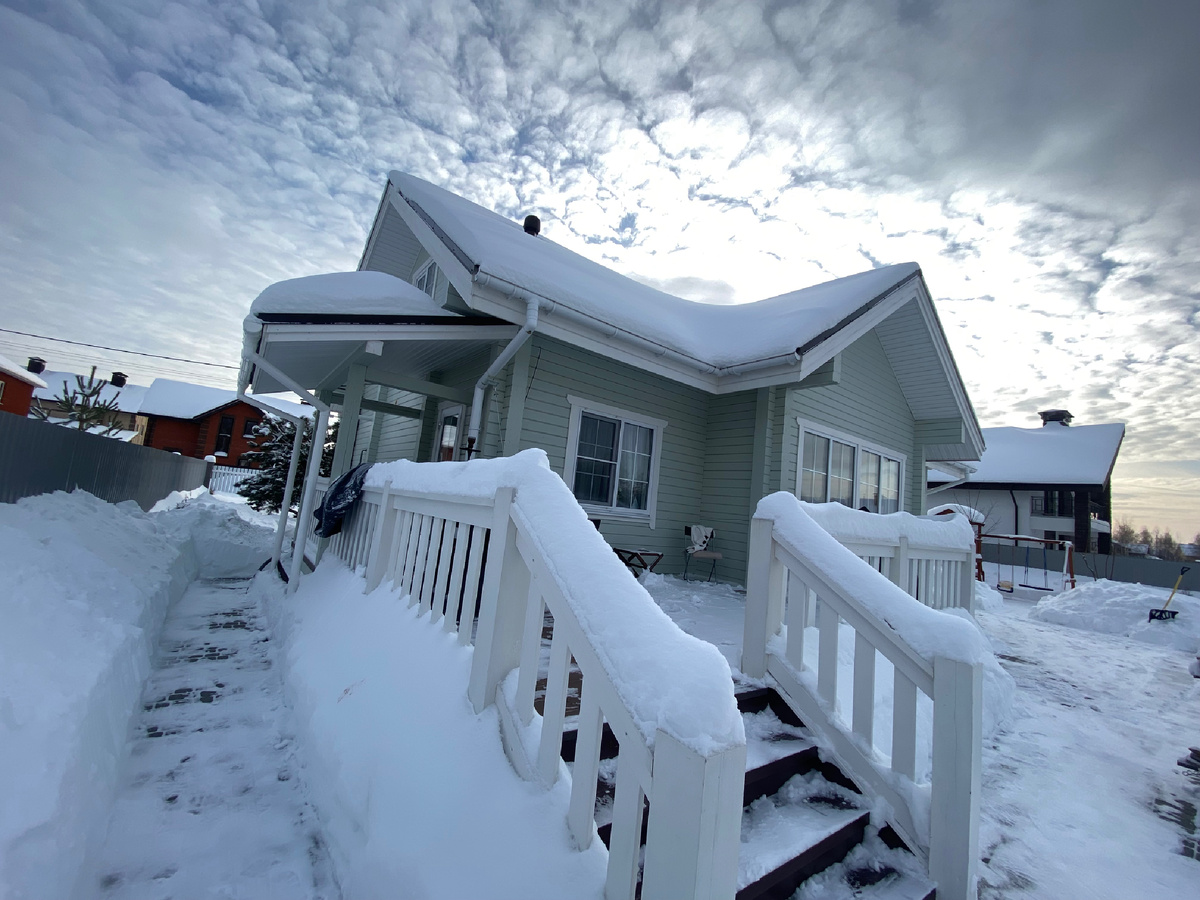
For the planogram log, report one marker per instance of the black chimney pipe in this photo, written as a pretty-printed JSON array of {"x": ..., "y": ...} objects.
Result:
[
  {"x": 36, "y": 365},
  {"x": 533, "y": 225},
  {"x": 118, "y": 379}
]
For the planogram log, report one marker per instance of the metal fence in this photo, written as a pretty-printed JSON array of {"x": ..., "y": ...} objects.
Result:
[
  {"x": 37, "y": 457},
  {"x": 1130, "y": 569}
]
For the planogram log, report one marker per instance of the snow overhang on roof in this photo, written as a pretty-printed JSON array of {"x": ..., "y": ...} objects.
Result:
[
  {"x": 1077, "y": 456},
  {"x": 10, "y": 368}
]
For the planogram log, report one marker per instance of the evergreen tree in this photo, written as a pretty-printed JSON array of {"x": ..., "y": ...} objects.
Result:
[
  {"x": 82, "y": 407},
  {"x": 273, "y": 442}
]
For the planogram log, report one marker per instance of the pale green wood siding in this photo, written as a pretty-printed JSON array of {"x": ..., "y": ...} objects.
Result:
[
  {"x": 867, "y": 403},
  {"x": 557, "y": 369},
  {"x": 396, "y": 248},
  {"x": 397, "y": 437},
  {"x": 728, "y": 480}
]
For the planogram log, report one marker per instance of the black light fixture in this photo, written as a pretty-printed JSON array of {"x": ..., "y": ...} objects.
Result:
[{"x": 36, "y": 365}]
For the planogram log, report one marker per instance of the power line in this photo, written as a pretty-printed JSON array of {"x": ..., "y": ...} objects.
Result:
[{"x": 43, "y": 337}]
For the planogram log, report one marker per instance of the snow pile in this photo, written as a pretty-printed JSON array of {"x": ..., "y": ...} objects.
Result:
[
  {"x": 1112, "y": 607},
  {"x": 666, "y": 678},
  {"x": 972, "y": 514},
  {"x": 227, "y": 545},
  {"x": 86, "y": 587},
  {"x": 345, "y": 293},
  {"x": 853, "y": 526},
  {"x": 413, "y": 788},
  {"x": 987, "y": 598},
  {"x": 929, "y": 632}
]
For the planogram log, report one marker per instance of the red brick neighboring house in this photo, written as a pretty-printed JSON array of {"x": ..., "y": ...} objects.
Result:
[
  {"x": 200, "y": 421},
  {"x": 16, "y": 387}
]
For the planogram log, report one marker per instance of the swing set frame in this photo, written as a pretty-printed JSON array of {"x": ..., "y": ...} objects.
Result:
[{"x": 1008, "y": 587}]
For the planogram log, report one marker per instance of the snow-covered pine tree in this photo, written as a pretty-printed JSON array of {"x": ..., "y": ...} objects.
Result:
[
  {"x": 82, "y": 407},
  {"x": 273, "y": 439}
]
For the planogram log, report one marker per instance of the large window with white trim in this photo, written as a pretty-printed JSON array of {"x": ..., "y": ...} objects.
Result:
[
  {"x": 612, "y": 459},
  {"x": 841, "y": 469}
]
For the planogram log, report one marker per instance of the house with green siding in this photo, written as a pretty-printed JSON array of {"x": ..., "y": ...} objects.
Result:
[{"x": 465, "y": 334}]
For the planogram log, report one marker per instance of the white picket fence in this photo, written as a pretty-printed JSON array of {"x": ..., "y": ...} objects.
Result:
[
  {"x": 929, "y": 558},
  {"x": 225, "y": 479},
  {"x": 800, "y": 577},
  {"x": 480, "y": 566}
]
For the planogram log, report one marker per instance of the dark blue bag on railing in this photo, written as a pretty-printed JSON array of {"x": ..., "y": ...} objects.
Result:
[{"x": 339, "y": 500}]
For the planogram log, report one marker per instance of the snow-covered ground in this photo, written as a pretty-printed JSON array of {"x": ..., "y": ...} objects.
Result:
[{"x": 1081, "y": 793}]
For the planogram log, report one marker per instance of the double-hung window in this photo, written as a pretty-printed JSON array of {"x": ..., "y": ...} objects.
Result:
[
  {"x": 841, "y": 469},
  {"x": 612, "y": 459}
]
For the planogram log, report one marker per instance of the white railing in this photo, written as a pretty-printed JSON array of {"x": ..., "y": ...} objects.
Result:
[
  {"x": 488, "y": 561},
  {"x": 932, "y": 559},
  {"x": 225, "y": 479},
  {"x": 802, "y": 582},
  {"x": 312, "y": 543}
]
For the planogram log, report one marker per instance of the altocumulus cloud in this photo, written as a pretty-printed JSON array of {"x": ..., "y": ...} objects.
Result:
[{"x": 164, "y": 162}]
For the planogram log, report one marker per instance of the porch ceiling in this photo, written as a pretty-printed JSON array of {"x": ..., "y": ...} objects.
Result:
[{"x": 319, "y": 358}]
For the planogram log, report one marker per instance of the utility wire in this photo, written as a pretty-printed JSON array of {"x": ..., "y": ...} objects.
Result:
[{"x": 119, "y": 350}]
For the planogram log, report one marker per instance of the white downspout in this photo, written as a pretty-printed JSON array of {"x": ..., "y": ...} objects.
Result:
[{"x": 489, "y": 376}]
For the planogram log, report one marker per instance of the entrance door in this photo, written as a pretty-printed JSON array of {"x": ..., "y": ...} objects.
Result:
[{"x": 449, "y": 433}]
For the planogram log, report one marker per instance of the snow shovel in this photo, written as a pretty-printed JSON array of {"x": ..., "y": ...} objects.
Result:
[{"x": 1164, "y": 614}]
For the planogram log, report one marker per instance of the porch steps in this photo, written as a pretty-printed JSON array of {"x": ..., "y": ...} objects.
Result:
[{"x": 803, "y": 818}]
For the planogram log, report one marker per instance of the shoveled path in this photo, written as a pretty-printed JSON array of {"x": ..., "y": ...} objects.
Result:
[{"x": 210, "y": 803}]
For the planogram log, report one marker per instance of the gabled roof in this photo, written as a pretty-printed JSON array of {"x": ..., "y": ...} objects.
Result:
[
  {"x": 10, "y": 368},
  {"x": 716, "y": 336},
  {"x": 128, "y": 398},
  {"x": 182, "y": 400},
  {"x": 1054, "y": 454}
]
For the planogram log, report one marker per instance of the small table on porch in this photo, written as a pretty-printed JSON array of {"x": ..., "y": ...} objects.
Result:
[{"x": 634, "y": 560}]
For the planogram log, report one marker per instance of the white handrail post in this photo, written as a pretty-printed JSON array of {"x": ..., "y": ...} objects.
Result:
[
  {"x": 303, "y": 523},
  {"x": 382, "y": 539},
  {"x": 954, "y": 801},
  {"x": 693, "y": 836},
  {"x": 762, "y": 577},
  {"x": 502, "y": 609},
  {"x": 900, "y": 574},
  {"x": 967, "y": 579}
]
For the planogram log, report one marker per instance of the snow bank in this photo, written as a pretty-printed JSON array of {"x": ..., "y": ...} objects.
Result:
[
  {"x": 853, "y": 526},
  {"x": 227, "y": 545},
  {"x": 929, "y": 632},
  {"x": 413, "y": 788},
  {"x": 1112, "y": 607},
  {"x": 666, "y": 678},
  {"x": 86, "y": 585},
  {"x": 987, "y": 598}
]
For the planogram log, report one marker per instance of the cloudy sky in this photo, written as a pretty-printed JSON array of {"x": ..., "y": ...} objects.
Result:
[{"x": 161, "y": 163}]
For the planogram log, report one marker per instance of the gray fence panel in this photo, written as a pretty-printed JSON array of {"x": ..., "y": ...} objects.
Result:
[
  {"x": 1130, "y": 569},
  {"x": 36, "y": 458}
]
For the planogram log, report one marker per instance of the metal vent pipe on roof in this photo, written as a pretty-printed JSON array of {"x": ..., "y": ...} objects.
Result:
[
  {"x": 36, "y": 365},
  {"x": 533, "y": 225},
  {"x": 118, "y": 380}
]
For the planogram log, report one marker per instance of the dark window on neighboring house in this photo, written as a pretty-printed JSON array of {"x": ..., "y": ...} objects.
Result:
[
  {"x": 248, "y": 428},
  {"x": 224, "y": 434},
  {"x": 1053, "y": 503},
  {"x": 2, "y": 383}
]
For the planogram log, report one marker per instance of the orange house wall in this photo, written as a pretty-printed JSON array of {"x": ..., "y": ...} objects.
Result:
[
  {"x": 198, "y": 437},
  {"x": 18, "y": 395}
]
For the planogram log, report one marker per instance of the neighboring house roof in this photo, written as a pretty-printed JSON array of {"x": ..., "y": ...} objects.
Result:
[
  {"x": 128, "y": 398},
  {"x": 10, "y": 368},
  {"x": 183, "y": 400},
  {"x": 1054, "y": 454}
]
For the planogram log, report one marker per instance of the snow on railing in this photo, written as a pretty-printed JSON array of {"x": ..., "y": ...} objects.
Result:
[
  {"x": 488, "y": 547},
  {"x": 225, "y": 479},
  {"x": 932, "y": 559},
  {"x": 803, "y": 583}
]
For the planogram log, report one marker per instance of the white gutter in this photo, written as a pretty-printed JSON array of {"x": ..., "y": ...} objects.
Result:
[
  {"x": 532, "y": 303},
  {"x": 252, "y": 358}
]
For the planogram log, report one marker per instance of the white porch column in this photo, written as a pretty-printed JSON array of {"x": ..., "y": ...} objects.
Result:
[
  {"x": 288, "y": 489},
  {"x": 310, "y": 488},
  {"x": 343, "y": 453}
]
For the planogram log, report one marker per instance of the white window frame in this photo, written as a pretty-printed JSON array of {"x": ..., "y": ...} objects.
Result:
[
  {"x": 860, "y": 446},
  {"x": 580, "y": 405},
  {"x": 431, "y": 268}
]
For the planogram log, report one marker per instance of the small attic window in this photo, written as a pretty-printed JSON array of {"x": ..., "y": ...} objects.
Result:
[{"x": 426, "y": 279}]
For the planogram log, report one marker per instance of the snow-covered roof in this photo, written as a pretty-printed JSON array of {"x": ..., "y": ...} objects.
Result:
[
  {"x": 719, "y": 335},
  {"x": 10, "y": 368},
  {"x": 346, "y": 293},
  {"x": 182, "y": 400},
  {"x": 128, "y": 398},
  {"x": 1052, "y": 454}
]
